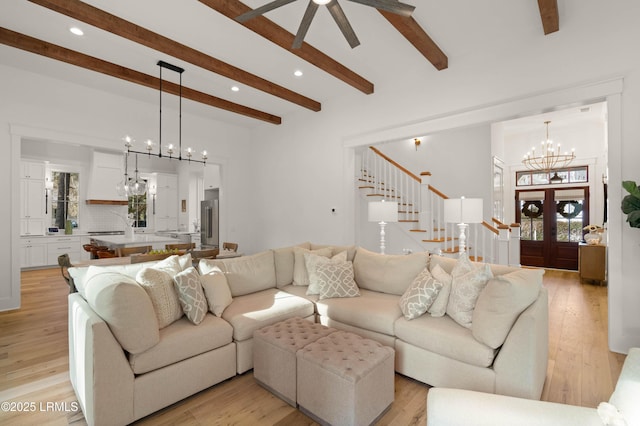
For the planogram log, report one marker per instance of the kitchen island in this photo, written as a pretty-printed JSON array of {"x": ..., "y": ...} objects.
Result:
[{"x": 157, "y": 242}]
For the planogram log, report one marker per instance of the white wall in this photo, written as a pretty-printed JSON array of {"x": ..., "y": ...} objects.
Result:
[
  {"x": 305, "y": 166},
  {"x": 459, "y": 160},
  {"x": 41, "y": 108}
]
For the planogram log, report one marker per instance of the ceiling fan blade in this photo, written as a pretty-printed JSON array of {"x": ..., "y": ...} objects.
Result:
[
  {"x": 343, "y": 23},
  {"x": 262, "y": 9},
  {"x": 389, "y": 5},
  {"x": 312, "y": 8}
]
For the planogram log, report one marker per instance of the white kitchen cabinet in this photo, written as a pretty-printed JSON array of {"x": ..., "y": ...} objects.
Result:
[
  {"x": 44, "y": 251},
  {"x": 32, "y": 170},
  {"x": 166, "y": 217},
  {"x": 60, "y": 245},
  {"x": 33, "y": 252},
  {"x": 32, "y": 198}
]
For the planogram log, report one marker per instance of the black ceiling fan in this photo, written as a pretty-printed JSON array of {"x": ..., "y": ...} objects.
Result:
[{"x": 336, "y": 12}]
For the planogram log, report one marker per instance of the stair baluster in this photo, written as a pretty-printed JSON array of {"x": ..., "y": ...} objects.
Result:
[{"x": 422, "y": 206}]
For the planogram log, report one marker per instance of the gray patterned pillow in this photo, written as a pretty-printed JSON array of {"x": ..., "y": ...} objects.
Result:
[
  {"x": 312, "y": 261},
  {"x": 191, "y": 295},
  {"x": 336, "y": 280},
  {"x": 420, "y": 295}
]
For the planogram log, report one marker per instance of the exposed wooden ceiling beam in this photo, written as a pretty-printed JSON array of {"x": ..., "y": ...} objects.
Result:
[
  {"x": 413, "y": 32},
  {"x": 98, "y": 18},
  {"x": 278, "y": 35},
  {"x": 53, "y": 51},
  {"x": 549, "y": 15}
]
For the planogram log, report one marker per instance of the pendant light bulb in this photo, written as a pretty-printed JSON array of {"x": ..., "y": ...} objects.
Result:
[{"x": 139, "y": 186}]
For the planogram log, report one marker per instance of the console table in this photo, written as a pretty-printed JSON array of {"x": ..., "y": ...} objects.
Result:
[{"x": 592, "y": 262}]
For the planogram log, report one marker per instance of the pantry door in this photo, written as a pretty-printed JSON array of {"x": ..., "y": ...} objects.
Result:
[{"x": 551, "y": 222}]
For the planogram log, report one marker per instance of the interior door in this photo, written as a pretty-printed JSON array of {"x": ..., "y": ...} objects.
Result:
[{"x": 551, "y": 223}]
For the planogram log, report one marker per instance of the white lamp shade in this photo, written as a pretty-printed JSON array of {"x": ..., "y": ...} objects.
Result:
[
  {"x": 463, "y": 210},
  {"x": 383, "y": 211}
]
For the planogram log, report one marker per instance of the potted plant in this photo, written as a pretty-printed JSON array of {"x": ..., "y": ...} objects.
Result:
[{"x": 631, "y": 203}]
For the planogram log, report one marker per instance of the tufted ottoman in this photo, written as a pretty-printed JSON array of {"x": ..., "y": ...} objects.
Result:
[
  {"x": 344, "y": 379},
  {"x": 274, "y": 354}
]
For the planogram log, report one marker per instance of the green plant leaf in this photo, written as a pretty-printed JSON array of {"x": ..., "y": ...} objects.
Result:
[
  {"x": 634, "y": 219},
  {"x": 630, "y": 204},
  {"x": 631, "y": 187}
]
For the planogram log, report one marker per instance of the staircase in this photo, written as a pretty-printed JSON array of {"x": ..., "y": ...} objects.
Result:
[{"x": 421, "y": 212}]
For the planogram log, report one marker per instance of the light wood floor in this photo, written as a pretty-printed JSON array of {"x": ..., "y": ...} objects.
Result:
[{"x": 34, "y": 364}]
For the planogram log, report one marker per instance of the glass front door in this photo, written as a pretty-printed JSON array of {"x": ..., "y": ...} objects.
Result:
[{"x": 551, "y": 223}]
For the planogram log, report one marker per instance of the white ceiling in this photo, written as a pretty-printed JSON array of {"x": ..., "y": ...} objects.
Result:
[{"x": 464, "y": 29}]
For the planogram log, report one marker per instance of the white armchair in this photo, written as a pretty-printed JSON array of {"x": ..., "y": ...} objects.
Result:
[{"x": 454, "y": 407}]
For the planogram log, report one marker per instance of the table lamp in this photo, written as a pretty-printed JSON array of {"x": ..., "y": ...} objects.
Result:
[
  {"x": 463, "y": 211},
  {"x": 383, "y": 212}
]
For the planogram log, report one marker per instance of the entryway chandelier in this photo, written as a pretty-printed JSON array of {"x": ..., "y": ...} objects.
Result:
[
  {"x": 549, "y": 159},
  {"x": 138, "y": 186}
]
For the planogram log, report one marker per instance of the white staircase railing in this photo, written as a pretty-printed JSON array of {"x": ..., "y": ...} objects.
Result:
[
  {"x": 421, "y": 206},
  {"x": 392, "y": 182}
]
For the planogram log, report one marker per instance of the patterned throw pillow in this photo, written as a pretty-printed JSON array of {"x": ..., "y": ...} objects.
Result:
[
  {"x": 420, "y": 295},
  {"x": 336, "y": 280},
  {"x": 191, "y": 295},
  {"x": 159, "y": 286},
  {"x": 312, "y": 261},
  {"x": 467, "y": 283}
]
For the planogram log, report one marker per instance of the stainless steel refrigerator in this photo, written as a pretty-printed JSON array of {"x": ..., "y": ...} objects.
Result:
[{"x": 210, "y": 223}]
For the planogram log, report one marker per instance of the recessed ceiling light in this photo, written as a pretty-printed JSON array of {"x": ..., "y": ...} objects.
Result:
[
  {"x": 77, "y": 31},
  {"x": 297, "y": 73},
  {"x": 235, "y": 88}
]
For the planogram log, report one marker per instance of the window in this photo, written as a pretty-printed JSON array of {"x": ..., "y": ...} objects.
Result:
[
  {"x": 568, "y": 175},
  {"x": 138, "y": 210},
  {"x": 64, "y": 198}
]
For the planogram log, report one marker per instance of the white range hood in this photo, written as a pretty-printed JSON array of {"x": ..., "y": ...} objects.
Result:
[{"x": 106, "y": 171}]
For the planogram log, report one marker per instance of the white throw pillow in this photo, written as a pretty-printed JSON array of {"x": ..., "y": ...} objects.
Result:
[
  {"x": 159, "y": 286},
  {"x": 312, "y": 261},
  {"x": 439, "y": 306},
  {"x": 501, "y": 302},
  {"x": 216, "y": 291},
  {"x": 300, "y": 274},
  {"x": 171, "y": 265},
  {"x": 466, "y": 285},
  {"x": 610, "y": 415},
  {"x": 420, "y": 295},
  {"x": 192, "y": 299},
  {"x": 336, "y": 280},
  {"x": 185, "y": 261},
  {"x": 284, "y": 261}
]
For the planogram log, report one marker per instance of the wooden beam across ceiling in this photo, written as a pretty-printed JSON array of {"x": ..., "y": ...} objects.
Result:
[
  {"x": 53, "y": 51},
  {"x": 98, "y": 18},
  {"x": 278, "y": 35},
  {"x": 413, "y": 32},
  {"x": 549, "y": 15}
]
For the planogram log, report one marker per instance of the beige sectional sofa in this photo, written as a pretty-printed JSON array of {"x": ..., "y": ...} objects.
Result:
[{"x": 123, "y": 366}]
